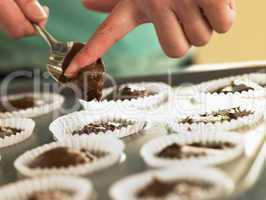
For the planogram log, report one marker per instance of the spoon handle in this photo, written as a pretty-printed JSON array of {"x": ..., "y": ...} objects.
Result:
[{"x": 46, "y": 35}]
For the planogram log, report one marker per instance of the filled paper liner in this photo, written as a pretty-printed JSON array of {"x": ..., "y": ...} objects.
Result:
[
  {"x": 128, "y": 187},
  {"x": 49, "y": 102},
  {"x": 249, "y": 121},
  {"x": 80, "y": 189},
  {"x": 25, "y": 125},
  {"x": 212, "y": 157},
  {"x": 259, "y": 78},
  {"x": 110, "y": 145},
  {"x": 146, "y": 103},
  {"x": 254, "y": 80},
  {"x": 63, "y": 127}
]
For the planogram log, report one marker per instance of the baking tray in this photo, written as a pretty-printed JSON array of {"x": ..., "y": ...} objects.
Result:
[{"x": 244, "y": 171}]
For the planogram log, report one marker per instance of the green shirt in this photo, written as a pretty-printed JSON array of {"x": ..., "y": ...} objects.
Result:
[{"x": 137, "y": 54}]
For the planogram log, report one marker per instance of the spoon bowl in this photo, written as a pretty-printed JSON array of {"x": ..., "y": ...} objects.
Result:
[
  {"x": 58, "y": 52},
  {"x": 90, "y": 80}
]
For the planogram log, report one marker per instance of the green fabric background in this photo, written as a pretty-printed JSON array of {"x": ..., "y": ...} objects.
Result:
[{"x": 139, "y": 53}]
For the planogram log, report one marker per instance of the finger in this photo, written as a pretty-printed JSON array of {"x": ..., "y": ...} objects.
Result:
[
  {"x": 44, "y": 22},
  {"x": 32, "y": 10},
  {"x": 169, "y": 31},
  {"x": 232, "y": 4},
  {"x": 219, "y": 14},
  {"x": 121, "y": 21},
  {"x": 100, "y": 5},
  {"x": 13, "y": 20},
  {"x": 196, "y": 28}
]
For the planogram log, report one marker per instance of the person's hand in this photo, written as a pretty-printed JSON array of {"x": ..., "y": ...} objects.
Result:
[
  {"x": 16, "y": 17},
  {"x": 179, "y": 25},
  {"x": 100, "y": 5}
]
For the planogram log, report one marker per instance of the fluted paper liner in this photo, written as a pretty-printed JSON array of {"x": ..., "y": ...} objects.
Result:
[
  {"x": 248, "y": 121},
  {"x": 256, "y": 78},
  {"x": 128, "y": 187},
  {"x": 150, "y": 149},
  {"x": 51, "y": 102},
  {"x": 25, "y": 125},
  {"x": 81, "y": 189},
  {"x": 110, "y": 145},
  {"x": 142, "y": 103},
  {"x": 63, "y": 127}
]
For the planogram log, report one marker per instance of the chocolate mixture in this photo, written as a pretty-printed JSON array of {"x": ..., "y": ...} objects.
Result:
[
  {"x": 232, "y": 88},
  {"x": 127, "y": 93},
  {"x": 217, "y": 116},
  {"x": 65, "y": 157},
  {"x": 90, "y": 80},
  {"x": 262, "y": 84},
  {"x": 99, "y": 127},
  {"x": 17, "y": 104},
  {"x": 218, "y": 146},
  {"x": 50, "y": 195},
  {"x": 176, "y": 151},
  {"x": 7, "y": 131},
  {"x": 185, "y": 189}
]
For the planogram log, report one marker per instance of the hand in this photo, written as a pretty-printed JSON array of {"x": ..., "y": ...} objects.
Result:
[
  {"x": 100, "y": 5},
  {"x": 15, "y": 16},
  {"x": 179, "y": 25}
]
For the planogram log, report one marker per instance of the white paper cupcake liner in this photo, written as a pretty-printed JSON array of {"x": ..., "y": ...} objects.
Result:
[
  {"x": 80, "y": 188},
  {"x": 150, "y": 149},
  {"x": 112, "y": 146},
  {"x": 142, "y": 103},
  {"x": 232, "y": 125},
  {"x": 63, "y": 127},
  {"x": 259, "y": 78},
  {"x": 51, "y": 102},
  {"x": 26, "y": 125},
  {"x": 127, "y": 188}
]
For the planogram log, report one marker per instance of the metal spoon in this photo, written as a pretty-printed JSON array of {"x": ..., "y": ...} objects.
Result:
[
  {"x": 58, "y": 53},
  {"x": 90, "y": 80}
]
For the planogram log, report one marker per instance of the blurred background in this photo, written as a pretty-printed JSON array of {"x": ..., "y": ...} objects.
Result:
[
  {"x": 139, "y": 53},
  {"x": 245, "y": 41}
]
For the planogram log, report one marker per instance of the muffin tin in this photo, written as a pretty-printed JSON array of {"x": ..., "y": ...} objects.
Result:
[{"x": 243, "y": 171}]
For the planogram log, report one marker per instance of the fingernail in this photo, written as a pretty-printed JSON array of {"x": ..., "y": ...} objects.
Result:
[{"x": 37, "y": 10}]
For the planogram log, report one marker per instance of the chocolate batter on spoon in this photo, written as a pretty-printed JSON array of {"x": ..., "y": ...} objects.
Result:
[{"x": 90, "y": 80}]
